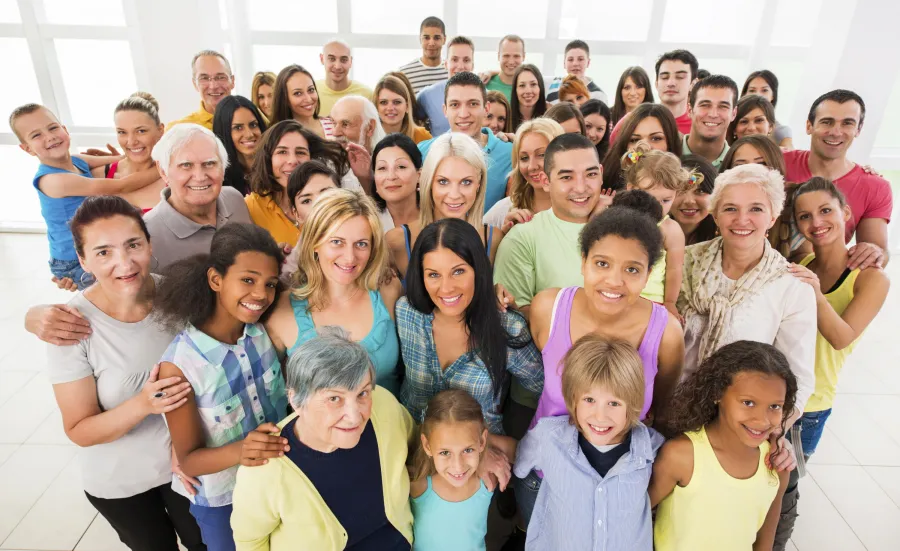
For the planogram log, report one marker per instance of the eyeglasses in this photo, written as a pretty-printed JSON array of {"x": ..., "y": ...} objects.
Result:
[{"x": 221, "y": 78}]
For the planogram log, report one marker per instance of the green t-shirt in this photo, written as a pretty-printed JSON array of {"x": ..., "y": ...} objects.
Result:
[{"x": 496, "y": 84}]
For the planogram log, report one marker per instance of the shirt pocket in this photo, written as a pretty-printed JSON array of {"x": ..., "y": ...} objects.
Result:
[
  {"x": 631, "y": 491},
  {"x": 273, "y": 382},
  {"x": 224, "y": 421}
]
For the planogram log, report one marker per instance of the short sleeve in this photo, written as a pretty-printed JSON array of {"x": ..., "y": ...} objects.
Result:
[
  {"x": 514, "y": 266},
  {"x": 796, "y": 338},
  {"x": 525, "y": 363},
  {"x": 529, "y": 450},
  {"x": 68, "y": 363},
  {"x": 881, "y": 202}
]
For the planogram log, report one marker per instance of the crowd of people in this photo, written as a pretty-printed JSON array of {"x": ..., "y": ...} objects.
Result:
[{"x": 456, "y": 310}]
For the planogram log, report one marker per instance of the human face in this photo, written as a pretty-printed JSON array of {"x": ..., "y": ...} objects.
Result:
[
  {"x": 531, "y": 158},
  {"x": 511, "y": 55},
  {"x": 137, "y": 133},
  {"x": 335, "y": 418},
  {"x": 391, "y": 108},
  {"x": 651, "y": 131},
  {"x": 712, "y": 112},
  {"x": 664, "y": 196},
  {"x": 601, "y": 416},
  {"x": 527, "y": 89},
  {"x": 213, "y": 80},
  {"x": 117, "y": 254},
  {"x": 754, "y": 122},
  {"x": 195, "y": 174},
  {"x": 449, "y": 280},
  {"x": 743, "y": 215},
  {"x": 577, "y": 99},
  {"x": 396, "y": 177},
  {"x": 348, "y": 124},
  {"x": 464, "y": 109},
  {"x": 820, "y": 217},
  {"x": 574, "y": 184},
  {"x": 337, "y": 61},
  {"x": 460, "y": 57},
  {"x": 496, "y": 117},
  {"x": 456, "y": 450},
  {"x": 245, "y": 132},
  {"x": 747, "y": 154},
  {"x": 292, "y": 151},
  {"x": 454, "y": 188},
  {"x": 632, "y": 94},
  {"x": 690, "y": 207},
  {"x": 836, "y": 126},
  {"x": 615, "y": 272},
  {"x": 303, "y": 202},
  {"x": 432, "y": 40},
  {"x": 43, "y": 136},
  {"x": 760, "y": 87},
  {"x": 577, "y": 61},
  {"x": 247, "y": 288},
  {"x": 571, "y": 126},
  {"x": 673, "y": 82},
  {"x": 596, "y": 126},
  {"x": 345, "y": 251},
  {"x": 264, "y": 99},
  {"x": 302, "y": 96},
  {"x": 752, "y": 407}
]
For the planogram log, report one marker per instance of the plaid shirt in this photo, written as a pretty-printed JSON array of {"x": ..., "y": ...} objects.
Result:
[
  {"x": 425, "y": 378},
  {"x": 237, "y": 388}
]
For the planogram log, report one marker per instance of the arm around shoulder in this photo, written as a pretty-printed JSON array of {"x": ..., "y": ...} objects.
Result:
[
  {"x": 674, "y": 466},
  {"x": 670, "y": 362}
]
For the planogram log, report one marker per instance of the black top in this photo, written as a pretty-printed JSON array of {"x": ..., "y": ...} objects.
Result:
[
  {"x": 350, "y": 483},
  {"x": 602, "y": 462}
]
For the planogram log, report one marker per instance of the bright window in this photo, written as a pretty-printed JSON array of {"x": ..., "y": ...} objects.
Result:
[
  {"x": 275, "y": 58},
  {"x": 711, "y": 21},
  {"x": 392, "y": 16},
  {"x": 24, "y": 87},
  {"x": 93, "y": 95},
  {"x": 9, "y": 12},
  {"x": 370, "y": 64},
  {"x": 625, "y": 21},
  {"x": 85, "y": 12},
  {"x": 526, "y": 18},
  {"x": 20, "y": 200},
  {"x": 291, "y": 15},
  {"x": 795, "y": 22}
]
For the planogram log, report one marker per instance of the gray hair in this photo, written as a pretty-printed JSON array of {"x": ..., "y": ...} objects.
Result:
[
  {"x": 209, "y": 53},
  {"x": 770, "y": 180},
  {"x": 329, "y": 360},
  {"x": 369, "y": 113},
  {"x": 174, "y": 139}
]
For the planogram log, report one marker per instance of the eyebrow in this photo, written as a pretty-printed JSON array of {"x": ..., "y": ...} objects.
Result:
[{"x": 128, "y": 242}]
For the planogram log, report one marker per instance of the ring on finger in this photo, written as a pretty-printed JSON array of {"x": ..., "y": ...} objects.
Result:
[{"x": 160, "y": 394}]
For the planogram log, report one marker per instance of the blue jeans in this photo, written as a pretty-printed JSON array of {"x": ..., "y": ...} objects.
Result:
[
  {"x": 812, "y": 425},
  {"x": 526, "y": 495},
  {"x": 71, "y": 269},
  {"x": 215, "y": 526}
]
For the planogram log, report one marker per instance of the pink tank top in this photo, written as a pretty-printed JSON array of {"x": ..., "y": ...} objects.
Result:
[{"x": 551, "y": 402}]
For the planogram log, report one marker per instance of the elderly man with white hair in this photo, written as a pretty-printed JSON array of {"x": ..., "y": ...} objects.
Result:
[
  {"x": 358, "y": 128},
  {"x": 192, "y": 161}
]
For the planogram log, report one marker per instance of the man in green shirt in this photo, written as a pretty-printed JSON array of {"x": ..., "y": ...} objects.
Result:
[
  {"x": 511, "y": 54},
  {"x": 712, "y": 104}
]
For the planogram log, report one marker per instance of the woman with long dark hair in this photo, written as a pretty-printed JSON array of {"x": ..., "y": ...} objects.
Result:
[
  {"x": 296, "y": 97},
  {"x": 239, "y": 124},
  {"x": 633, "y": 89},
  {"x": 764, "y": 83},
  {"x": 529, "y": 99},
  {"x": 597, "y": 124},
  {"x": 649, "y": 122}
]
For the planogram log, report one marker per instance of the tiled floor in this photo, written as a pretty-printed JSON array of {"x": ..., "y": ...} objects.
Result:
[{"x": 850, "y": 500}]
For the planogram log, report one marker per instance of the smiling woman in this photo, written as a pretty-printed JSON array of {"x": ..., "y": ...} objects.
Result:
[
  {"x": 239, "y": 125},
  {"x": 138, "y": 128}
]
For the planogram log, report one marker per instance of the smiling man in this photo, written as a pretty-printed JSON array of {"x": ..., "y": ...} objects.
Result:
[
  {"x": 712, "y": 108},
  {"x": 577, "y": 60},
  {"x": 427, "y": 70},
  {"x": 510, "y": 54},
  {"x": 676, "y": 72},
  {"x": 460, "y": 57},
  {"x": 338, "y": 61},
  {"x": 213, "y": 80}
]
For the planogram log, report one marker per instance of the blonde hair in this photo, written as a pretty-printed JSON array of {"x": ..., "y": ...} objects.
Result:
[
  {"x": 448, "y": 406},
  {"x": 521, "y": 191},
  {"x": 770, "y": 180},
  {"x": 259, "y": 79},
  {"x": 660, "y": 167},
  {"x": 609, "y": 363},
  {"x": 452, "y": 144},
  {"x": 330, "y": 210},
  {"x": 395, "y": 85},
  {"x": 143, "y": 102}
]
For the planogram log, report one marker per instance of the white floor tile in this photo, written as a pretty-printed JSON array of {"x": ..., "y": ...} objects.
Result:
[
  {"x": 100, "y": 537},
  {"x": 889, "y": 480},
  {"x": 790, "y": 546},
  {"x": 871, "y": 514},
  {"x": 25, "y": 411},
  {"x": 861, "y": 432},
  {"x": 831, "y": 451},
  {"x": 820, "y": 526},
  {"x": 12, "y": 382},
  {"x": 50, "y": 432},
  {"x": 6, "y": 450}
]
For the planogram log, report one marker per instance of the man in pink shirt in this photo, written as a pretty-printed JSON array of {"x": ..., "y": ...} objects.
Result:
[{"x": 835, "y": 120}]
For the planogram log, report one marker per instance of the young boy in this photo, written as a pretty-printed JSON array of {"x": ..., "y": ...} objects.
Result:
[{"x": 62, "y": 182}]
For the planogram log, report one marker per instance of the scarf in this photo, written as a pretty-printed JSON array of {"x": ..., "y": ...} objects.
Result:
[{"x": 703, "y": 292}]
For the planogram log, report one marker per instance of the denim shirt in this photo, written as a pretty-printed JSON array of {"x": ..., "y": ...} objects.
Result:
[{"x": 576, "y": 507}]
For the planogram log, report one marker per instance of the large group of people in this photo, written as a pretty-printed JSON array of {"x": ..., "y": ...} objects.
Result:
[{"x": 456, "y": 311}]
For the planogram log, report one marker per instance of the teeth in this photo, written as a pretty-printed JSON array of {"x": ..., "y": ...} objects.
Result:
[
  {"x": 742, "y": 232},
  {"x": 820, "y": 232},
  {"x": 601, "y": 430},
  {"x": 251, "y": 306},
  {"x": 454, "y": 205},
  {"x": 451, "y": 300},
  {"x": 199, "y": 188},
  {"x": 579, "y": 200},
  {"x": 347, "y": 269},
  {"x": 710, "y": 124},
  {"x": 832, "y": 143},
  {"x": 611, "y": 295},
  {"x": 689, "y": 212}
]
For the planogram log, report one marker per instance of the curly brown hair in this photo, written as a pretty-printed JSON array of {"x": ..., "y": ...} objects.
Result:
[{"x": 695, "y": 402}]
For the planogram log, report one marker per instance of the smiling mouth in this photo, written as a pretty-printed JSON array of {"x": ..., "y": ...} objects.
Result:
[
  {"x": 611, "y": 296},
  {"x": 600, "y": 431},
  {"x": 458, "y": 477},
  {"x": 54, "y": 146},
  {"x": 689, "y": 212},
  {"x": 451, "y": 301},
  {"x": 820, "y": 232},
  {"x": 833, "y": 144},
  {"x": 345, "y": 269},
  {"x": 454, "y": 206},
  {"x": 254, "y": 307},
  {"x": 129, "y": 278},
  {"x": 756, "y": 434},
  {"x": 580, "y": 201},
  {"x": 200, "y": 188},
  {"x": 711, "y": 124},
  {"x": 248, "y": 143},
  {"x": 741, "y": 233}
]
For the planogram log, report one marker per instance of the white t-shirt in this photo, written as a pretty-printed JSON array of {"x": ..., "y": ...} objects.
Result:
[{"x": 498, "y": 212}]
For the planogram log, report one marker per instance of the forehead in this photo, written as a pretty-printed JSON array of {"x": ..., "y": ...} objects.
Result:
[
  {"x": 576, "y": 52},
  {"x": 716, "y": 94},
  {"x": 755, "y": 112},
  {"x": 292, "y": 139},
  {"x": 355, "y": 227},
  {"x": 432, "y": 31},
  {"x": 455, "y": 166},
  {"x": 391, "y": 153},
  {"x": 336, "y": 48},
  {"x": 758, "y": 82},
  {"x": 648, "y": 126},
  {"x": 347, "y": 110},
  {"x": 673, "y": 66},
  {"x": 745, "y": 193},
  {"x": 256, "y": 261},
  {"x": 575, "y": 159},
  {"x": 441, "y": 256},
  {"x": 747, "y": 151},
  {"x": 461, "y": 50},
  {"x": 595, "y": 119},
  {"x": 626, "y": 250},
  {"x": 512, "y": 46},
  {"x": 299, "y": 79},
  {"x": 389, "y": 94},
  {"x": 210, "y": 65},
  {"x": 534, "y": 140},
  {"x": 832, "y": 109},
  {"x": 463, "y": 93},
  {"x": 759, "y": 383},
  {"x": 31, "y": 121},
  {"x": 242, "y": 114},
  {"x": 199, "y": 148},
  {"x": 527, "y": 76}
]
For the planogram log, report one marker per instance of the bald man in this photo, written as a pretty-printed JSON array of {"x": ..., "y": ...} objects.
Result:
[{"x": 337, "y": 60}]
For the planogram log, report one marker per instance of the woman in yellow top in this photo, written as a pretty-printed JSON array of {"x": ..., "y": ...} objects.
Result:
[
  {"x": 343, "y": 482},
  {"x": 282, "y": 148},
  {"x": 392, "y": 99}
]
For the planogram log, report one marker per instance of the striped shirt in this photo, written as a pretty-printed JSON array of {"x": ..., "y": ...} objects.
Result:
[
  {"x": 576, "y": 508},
  {"x": 421, "y": 75},
  {"x": 237, "y": 387},
  {"x": 425, "y": 378}
]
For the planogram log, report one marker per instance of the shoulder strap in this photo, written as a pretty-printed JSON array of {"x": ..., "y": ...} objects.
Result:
[
  {"x": 488, "y": 238},
  {"x": 406, "y": 237}
]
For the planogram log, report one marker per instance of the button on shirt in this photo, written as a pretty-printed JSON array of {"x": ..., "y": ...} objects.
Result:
[
  {"x": 577, "y": 508},
  {"x": 237, "y": 387}
]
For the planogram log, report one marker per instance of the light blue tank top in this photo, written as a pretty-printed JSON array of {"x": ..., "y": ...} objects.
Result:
[
  {"x": 58, "y": 211},
  {"x": 443, "y": 525},
  {"x": 381, "y": 343}
]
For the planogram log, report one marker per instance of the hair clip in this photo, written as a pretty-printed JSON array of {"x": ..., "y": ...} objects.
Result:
[
  {"x": 696, "y": 178},
  {"x": 633, "y": 156}
]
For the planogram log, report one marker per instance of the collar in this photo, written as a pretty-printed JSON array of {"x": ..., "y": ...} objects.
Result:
[
  {"x": 182, "y": 226},
  {"x": 687, "y": 151},
  {"x": 202, "y": 114},
  {"x": 639, "y": 454},
  {"x": 216, "y": 351},
  {"x": 560, "y": 221},
  {"x": 492, "y": 140}
]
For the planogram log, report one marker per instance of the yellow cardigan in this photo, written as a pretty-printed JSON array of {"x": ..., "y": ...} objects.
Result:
[
  {"x": 277, "y": 507},
  {"x": 266, "y": 213}
]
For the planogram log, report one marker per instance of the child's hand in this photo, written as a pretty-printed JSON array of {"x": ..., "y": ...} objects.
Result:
[
  {"x": 515, "y": 216},
  {"x": 65, "y": 283},
  {"x": 188, "y": 482},
  {"x": 782, "y": 456},
  {"x": 261, "y": 444},
  {"x": 495, "y": 469},
  {"x": 504, "y": 298},
  {"x": 670, "y": 306},
  {"x": 604, "y": 201}
]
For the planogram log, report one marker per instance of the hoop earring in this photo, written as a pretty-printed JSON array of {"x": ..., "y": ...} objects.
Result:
[
  {"x": 81, "y": 279},
  {"x": 152, "y": 269}
]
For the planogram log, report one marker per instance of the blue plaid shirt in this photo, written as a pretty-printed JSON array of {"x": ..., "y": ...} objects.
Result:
[
  {"x": 237, "y": 388},
  {"x": 425, "y": 378}
]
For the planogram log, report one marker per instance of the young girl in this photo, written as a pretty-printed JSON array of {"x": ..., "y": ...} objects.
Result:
[
  {"x": 223, "y": 351},
  {"x": 660, "y": 174},
  {"x": 712, "y": 484},
  {"x": 597, "y": 460},
  {"x": 450, "y": 510}
]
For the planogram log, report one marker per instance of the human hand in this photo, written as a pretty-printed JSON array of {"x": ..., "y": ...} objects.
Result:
[
  {"x": 806, "y": 275},
  {"x": 504, "y": 298},
  {"x": 515, "y": 216},
  {"x": 781, "y": 457},
  {"x": 261, "y": 445},
  {"x": 604, "y": 201},
  {"x": 110, "y": 151},
  {"x": 190, "y": 483},
  {"x": 869, "y": 170},
  {"x": 65, "y": 283},
  {"x": 865, "y": 255},
  {"x": 57, "y": 324},
  {"x": 164, "y": 396},
  {"x": 360, "y": 161},
  {"x": 495, "y": 469}
]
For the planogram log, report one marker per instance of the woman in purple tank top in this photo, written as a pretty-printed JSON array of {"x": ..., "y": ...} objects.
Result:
[{"x": 618, "y": 247}]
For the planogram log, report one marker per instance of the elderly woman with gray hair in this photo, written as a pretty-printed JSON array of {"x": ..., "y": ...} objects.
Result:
[{"x": 343, "y": 483}]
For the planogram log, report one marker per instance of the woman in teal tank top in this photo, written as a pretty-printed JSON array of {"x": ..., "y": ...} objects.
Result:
[{"x": 340, "y": 282}]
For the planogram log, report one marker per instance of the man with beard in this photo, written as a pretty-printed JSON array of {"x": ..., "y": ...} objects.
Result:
[
  {"x": 358, "y": 128},
  {"x": 712, "y": 105}
]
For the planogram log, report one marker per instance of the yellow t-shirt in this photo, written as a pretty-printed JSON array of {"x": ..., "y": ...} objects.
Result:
[
  {"x": 828, "y": 360},
  {"x": 655, "y": 289},
  {"x": 420, "y": 134},
  {"x": 327, "y": 96},
  {"x": 200, "y": 116},
  {"x": 266, "y": 213}
]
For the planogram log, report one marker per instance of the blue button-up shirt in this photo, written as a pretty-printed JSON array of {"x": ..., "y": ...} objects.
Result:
[
  {"x": 576, "y": 508},
  {"x": 431, "y": 99}
]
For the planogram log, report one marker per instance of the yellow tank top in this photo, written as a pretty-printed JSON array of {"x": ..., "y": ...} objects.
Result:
[
  {"x": 655, "y": 289},
  {"x": 828, "y": 360},
  {"x": 714, "y": 512}
]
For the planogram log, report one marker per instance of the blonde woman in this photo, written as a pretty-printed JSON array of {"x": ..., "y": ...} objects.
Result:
[
  {"x": 342, "y": 258},
  {"x": 262, "y": 91},
  {"x": 452, "y": 185},
  {"x": 392, "y": 100}
]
